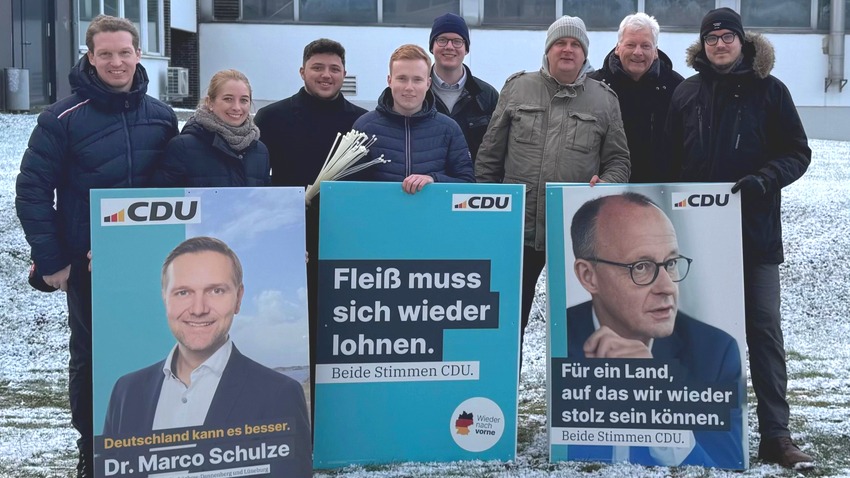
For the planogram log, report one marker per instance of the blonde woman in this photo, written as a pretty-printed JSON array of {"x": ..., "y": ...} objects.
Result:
[{"x": 220, "y": 145}]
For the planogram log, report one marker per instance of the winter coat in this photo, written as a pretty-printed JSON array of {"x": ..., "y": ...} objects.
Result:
[
  {"x": 473, "y": 109},
  {"x": 201, "y": 158},
  {"x": 95, "y": 138},
  {"x": 425, "y": 143},
  {"x": 643, "y": 104},
  {"x": 299, "y": 132},
  {"x": 723, "y": 127},
  {"x": 543, "y": 131}
]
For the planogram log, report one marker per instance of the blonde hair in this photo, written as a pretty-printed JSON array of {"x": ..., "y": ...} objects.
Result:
[
  {"x": 217, "y": 83},
  {"x": 410, "y": 52}
]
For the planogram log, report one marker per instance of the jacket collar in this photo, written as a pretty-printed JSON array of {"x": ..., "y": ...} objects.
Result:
[
  {"x": 613, "y": 66},
  {"x": 320, "y": 104},
  {"x": 85, "y": 82},
  {"x": 385, "y": 105},
  {"x": 470, "y": 85},
  {"x": 570, "y": 90}
]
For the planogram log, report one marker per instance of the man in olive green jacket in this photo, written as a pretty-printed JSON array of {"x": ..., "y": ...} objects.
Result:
[{"x": 553, "y": 125}]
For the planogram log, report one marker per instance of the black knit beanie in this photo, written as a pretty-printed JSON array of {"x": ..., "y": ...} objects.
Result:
[{"x": 722, "y": 19}]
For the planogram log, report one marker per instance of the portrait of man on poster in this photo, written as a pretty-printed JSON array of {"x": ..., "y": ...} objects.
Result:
[
  {"x": 627, "y": 257},
  {"x": 205, "y": 381}
]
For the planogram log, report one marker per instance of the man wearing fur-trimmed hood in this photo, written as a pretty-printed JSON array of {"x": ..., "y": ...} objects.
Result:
[{"x": 734, "y": 122}]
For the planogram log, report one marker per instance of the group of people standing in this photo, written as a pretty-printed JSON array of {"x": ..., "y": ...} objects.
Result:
[{"x": 633, "y": 120}]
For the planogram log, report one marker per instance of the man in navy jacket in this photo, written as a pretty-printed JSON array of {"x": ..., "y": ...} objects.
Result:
[
  {"x": 107, "y": 134},
  {"x": 467, "y": 99},
  {"x": 421, "y": 145}
]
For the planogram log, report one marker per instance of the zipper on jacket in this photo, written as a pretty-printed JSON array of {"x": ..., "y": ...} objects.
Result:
[
  {"x": 737, "y": 126},
  {"x": 651, "y": 127},
  {"x": 699, "y": 120},
  {"x": 129, "y": 150},
  {"x": 408, "y": 164}
]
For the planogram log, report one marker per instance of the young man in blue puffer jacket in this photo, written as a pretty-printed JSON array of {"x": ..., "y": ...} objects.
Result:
[{"x": 107, "y": 134}]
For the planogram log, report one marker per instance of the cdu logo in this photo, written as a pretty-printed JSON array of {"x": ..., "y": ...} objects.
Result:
[
  {"x": 139, "y": 211},
  {"x": 481, "y": 202},
  {"x": 688, "y": 201}
]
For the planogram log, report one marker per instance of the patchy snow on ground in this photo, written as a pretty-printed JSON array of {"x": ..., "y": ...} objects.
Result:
[{"x": 36, "y": 439}]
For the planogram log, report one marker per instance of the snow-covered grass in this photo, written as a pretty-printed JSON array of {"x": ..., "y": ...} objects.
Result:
[{"x": 36, "y": 439}]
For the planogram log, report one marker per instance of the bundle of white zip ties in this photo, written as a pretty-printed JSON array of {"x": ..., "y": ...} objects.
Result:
[{"x": 342, "y": 159}]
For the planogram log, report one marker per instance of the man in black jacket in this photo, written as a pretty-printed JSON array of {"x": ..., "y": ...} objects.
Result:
[
  {"x": 644, "y": 80},
  {"x": 468, "y": 100},
  {"x": 299, "y": 131},
  {"x": 108, "y": 134},
  {"x": 734, "y": 122}
]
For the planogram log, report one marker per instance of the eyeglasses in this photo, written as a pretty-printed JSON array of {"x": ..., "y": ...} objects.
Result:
[
  {"x": 645, "y": 272},
  {"x": 711, "y": 40},
  {"x": 456, "y": 42}
]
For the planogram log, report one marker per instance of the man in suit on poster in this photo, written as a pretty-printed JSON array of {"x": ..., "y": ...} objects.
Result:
[
  {"x": 628, "y": 259},
  {"x": 205, "y": 381}
]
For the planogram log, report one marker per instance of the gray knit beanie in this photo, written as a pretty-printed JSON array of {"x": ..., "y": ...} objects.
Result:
[{"x": 567, "y": 26}]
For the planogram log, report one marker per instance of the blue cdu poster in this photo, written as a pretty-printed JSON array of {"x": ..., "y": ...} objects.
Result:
[
  {"x": 200, "y": 333},
  {"x": 646, "y": 325},
  {"x": 417, "y": 355}
]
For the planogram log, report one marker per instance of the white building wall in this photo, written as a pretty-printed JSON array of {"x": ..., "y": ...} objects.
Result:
[
  {"x": 271, "y": 55},
  {"x": 156, "y": 67},
  {"x": 184, "y": 16}
]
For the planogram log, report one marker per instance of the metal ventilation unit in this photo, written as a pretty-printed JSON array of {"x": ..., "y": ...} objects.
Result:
[
  {"x": 178, "y": 83},
  {"x": 226, "y": 10},
  {"x": 349, "y": 86}
]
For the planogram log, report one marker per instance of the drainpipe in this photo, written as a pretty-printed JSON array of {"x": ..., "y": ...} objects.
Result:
[{"x": 836, "y": 46}]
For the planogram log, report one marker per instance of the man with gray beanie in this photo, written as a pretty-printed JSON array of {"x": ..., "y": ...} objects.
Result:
[
  {"x": 735, "y": 122},
  {"x": 468, "y": 100},
  {"x": 553, "y": 125}
]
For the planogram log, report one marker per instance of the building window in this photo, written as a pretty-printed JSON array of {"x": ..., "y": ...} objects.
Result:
[
  {"x": 679, "y": 13},
  {"x": 133, "y": 12},
  {"x": 339, "y": 11},
  {"x": 276, "y": 11},
  {"x": 88, "y": 9},
  {"x": 112, "y": 8},
  {"x": 600, "y": 14},
  {"x": 417, "y": 12},
  {"x": 146, "y": 15},
  {"x": 823, "y": 15},
  {"x": 777, "y": 13},
  {"x": 519, "y": 12}
]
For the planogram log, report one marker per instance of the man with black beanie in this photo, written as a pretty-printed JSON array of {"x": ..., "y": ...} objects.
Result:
[
  {"x": 734, "y": 122},
  {"x": 468, "y": 100}
]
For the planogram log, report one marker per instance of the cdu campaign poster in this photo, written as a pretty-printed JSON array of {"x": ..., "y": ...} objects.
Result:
[
  {"x": 418, "y": 341},
  {"x": 646, "y": 325},
  {"x": 200, "y": 350}
]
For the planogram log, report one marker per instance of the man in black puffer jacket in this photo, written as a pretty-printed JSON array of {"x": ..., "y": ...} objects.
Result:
[
  {"x": 107, "y": 134},
  {"x": 644, "y": 80},
  {"x": 734, "y": 122}
]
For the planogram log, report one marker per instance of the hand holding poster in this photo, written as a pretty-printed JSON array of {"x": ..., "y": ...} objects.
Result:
[
  {"x": 633, "y": 376},
  {"x": 417, "y": 355},
  {"x": 190, "y": 281}
]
